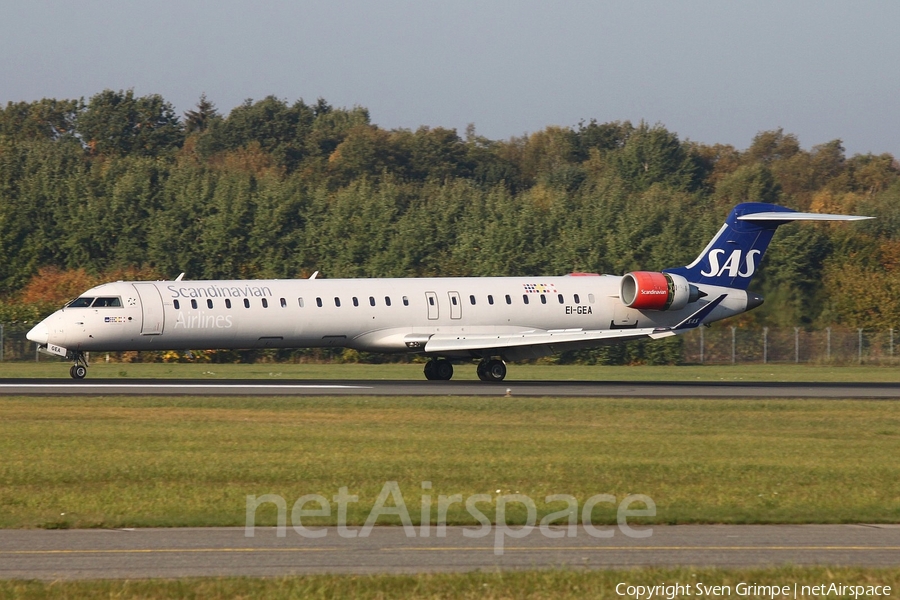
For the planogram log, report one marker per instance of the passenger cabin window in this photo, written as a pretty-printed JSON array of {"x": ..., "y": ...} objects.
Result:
[
  {"x": 319, "y": 302},
  {"x": 472, "y": 300},
  {"x": 453, "y": 300},
  {"x": 107, "y": 303},
  {"x": 209, "y": 303},
  {"x": 490, "y": 300},
  {"x": 227, "y": 302},
  {"x": 300, "y": 302},
  {"x": 246, "y": 302},
  {"x": 176, "y": 304},
  {"x": 561, "y": 301},
  {"x": 193, "y": 304},
  {"x": 405, "y": 301},
  {"x": 283, "y": 303},
  {"x": 577, "y": 299},
  {"x": 355, "y": 301},
  {"x": 508, "y": 299},
  {"x": 265, "y": 303},
  {"x": 525, "y": 298},
  {"x": 371, "y": 300},
  {"x": 543, "y": 299},
  {"x": 431, "y": 300},
  {"x": 80, "y": 303},
  {"x": 387, "y": 300},
  {"x": 337, "y": 301},
  {"x": 591, "y": 298}
]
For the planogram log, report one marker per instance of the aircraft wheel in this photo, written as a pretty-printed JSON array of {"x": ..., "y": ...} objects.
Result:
[
  {"x": 430, "y": 374},
  {"x": 481, "y": 370},
  {"x": 443, "y": 370},
  {"x": 78, "y": 372},
  {"x": 495, "y": 370}
]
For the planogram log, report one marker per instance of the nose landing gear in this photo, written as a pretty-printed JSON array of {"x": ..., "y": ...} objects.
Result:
[{"x": 79, "y": 369}]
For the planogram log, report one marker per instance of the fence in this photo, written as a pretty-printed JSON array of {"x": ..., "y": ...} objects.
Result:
[
  {"x": 840, "y": 345},
  {"x": 719, "y": 344},
  {"x": 13, "y": 344}
]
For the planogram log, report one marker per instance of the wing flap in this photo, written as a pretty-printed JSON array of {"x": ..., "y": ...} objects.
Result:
[{"x": 459, "y": 342}]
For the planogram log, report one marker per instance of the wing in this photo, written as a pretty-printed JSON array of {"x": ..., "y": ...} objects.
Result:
[{"x": 561, "y": 339}]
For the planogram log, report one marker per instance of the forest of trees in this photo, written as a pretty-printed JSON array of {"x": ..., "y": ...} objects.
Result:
[{"x": 121, "y": 185}]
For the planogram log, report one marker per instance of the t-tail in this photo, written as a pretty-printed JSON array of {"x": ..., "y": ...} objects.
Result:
[{"x": 732, "y": 257}]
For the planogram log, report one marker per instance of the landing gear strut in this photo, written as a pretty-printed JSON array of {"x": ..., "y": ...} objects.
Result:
[
  {"x": 438, "y": 369},
  {"x": 79, "y": 369},
  {"x": 491, "y": 369}
]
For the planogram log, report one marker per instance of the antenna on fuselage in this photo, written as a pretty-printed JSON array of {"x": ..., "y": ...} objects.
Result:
[
  {"x": 180, "y": 277},
  {"x": 314, "y": 275}
]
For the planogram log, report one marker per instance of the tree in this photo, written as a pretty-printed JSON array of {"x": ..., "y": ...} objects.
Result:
[
  {"x": 118, "y": 123},
  {"x": 198, "y": 120},
  {"x": 655, "y": 155},
  {"x": 47, "y": 119}
]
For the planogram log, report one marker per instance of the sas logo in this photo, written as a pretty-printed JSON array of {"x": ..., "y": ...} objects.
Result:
[
  {"x": 733, "y": 265},
  {"x": 113, "y": 319}
]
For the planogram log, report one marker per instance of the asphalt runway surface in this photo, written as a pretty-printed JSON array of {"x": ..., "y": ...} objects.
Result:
[
  {"x": 203, "y": 552},
  {"x": 609, "y": 389}
]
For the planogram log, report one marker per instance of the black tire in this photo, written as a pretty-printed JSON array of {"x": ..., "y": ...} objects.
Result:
[
  {"x": 495, "y": 371},
  {"x": 481, "y": 370},
  {"x": 430, "y": 374},
  {"x": 443, "y": 370},
  {"x": 78, "y": 371}
]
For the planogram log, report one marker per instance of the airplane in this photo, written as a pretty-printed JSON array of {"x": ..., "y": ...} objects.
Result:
[{"x": 495, "y": 320}]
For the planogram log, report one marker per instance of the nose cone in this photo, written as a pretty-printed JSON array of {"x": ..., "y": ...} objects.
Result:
[{"x": 40, "y": 333}]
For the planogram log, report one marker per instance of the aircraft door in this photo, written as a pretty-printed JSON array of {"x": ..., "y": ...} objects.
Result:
[
  {"x": 455, "y": 305},
  {"x": 432, "y": 302},
  {"x": 152, "y": 308}
]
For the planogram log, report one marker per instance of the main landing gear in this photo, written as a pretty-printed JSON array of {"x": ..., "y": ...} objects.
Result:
[
  {"x": 79, "y": 369},
  {"x": 438, "y": 369},
  {"x": 489, "y": 369}
]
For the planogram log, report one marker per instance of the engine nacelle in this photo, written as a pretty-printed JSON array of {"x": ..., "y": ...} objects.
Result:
[{"x": 651, "y": 290}]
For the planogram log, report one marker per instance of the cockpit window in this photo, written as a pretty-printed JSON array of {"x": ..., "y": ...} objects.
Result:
[
  {"x": 80, "y": 302},
  {"x": 107, "y": 302}
]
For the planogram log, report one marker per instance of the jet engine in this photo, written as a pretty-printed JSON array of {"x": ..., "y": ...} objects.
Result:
[{"x": 650, "y": 290}]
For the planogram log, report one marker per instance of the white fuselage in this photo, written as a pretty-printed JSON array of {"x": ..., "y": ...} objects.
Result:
[{"x": 380, "y": 315}]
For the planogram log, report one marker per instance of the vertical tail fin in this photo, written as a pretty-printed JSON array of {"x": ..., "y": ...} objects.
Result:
[{"x": 733, "y": 255}]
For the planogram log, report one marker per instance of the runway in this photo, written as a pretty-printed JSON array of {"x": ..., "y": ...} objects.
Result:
[
  {"x": 192, "y": 552},
  {"x": 609, "y": 389}
]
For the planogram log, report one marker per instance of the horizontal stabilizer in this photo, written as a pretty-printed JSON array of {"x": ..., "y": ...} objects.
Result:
[{"x": 798, "y": 216}]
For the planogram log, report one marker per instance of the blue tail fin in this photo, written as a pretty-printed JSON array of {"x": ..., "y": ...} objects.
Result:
[{"x": 733, "y": 255}]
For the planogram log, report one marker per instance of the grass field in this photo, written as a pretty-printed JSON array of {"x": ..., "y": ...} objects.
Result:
[
  {"x": 152, "y": 461},
  {"x": 526, "y": 585},
  {"x": 466, "y": 371}
]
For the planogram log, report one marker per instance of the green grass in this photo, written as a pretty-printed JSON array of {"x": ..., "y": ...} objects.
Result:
[
  {"x": 465, "y": 371},
  {"x": 532, "y": 585},
  {"x": 152, "y": 461}
]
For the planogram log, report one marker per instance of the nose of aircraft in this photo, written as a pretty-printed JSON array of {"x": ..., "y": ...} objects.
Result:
[{"x": 39, "y": 334}]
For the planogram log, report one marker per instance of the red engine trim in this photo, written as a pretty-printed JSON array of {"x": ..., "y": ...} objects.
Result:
[{"x": 651, "y": 291}]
